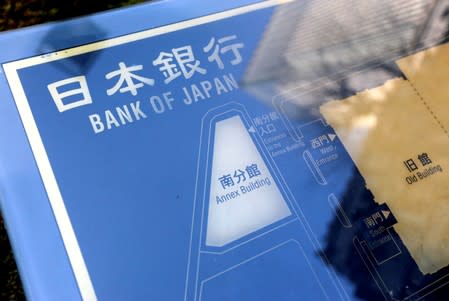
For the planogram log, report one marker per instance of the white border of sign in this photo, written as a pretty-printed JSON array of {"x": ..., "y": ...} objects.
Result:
[{"x": 49, "y": 180}]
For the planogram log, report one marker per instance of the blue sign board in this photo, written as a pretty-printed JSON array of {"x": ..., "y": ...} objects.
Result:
[{"x": 146, "y": 165}]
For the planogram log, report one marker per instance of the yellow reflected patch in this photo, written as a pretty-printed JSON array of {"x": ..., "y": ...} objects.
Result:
[{"x": 383, "y": 129}]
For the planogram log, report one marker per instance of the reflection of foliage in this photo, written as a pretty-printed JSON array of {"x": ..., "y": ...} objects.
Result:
[
  {"x": 20, "y": 13},
  {"x": 15, "y": 14}
]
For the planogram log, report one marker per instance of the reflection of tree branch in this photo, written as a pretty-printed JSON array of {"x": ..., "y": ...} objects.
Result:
[
  {"x": 343, "y": 89},
  {"x": 339, "y": 248},
  {"x": 445, "y": 16},
  {"x": 389, "y": 68}
]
